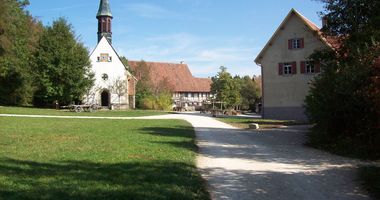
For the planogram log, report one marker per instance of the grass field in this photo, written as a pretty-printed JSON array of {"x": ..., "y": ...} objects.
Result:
[
  {"x": 263, "y": 123},
  {"x": 38, "y": 111},
  {"x": 98, "y": 159}
]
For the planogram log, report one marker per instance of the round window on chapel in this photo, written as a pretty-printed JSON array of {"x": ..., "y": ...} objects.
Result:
[{"x": 105, "y": 77}]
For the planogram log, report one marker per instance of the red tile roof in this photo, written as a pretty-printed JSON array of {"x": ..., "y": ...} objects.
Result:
[
  {"x": 333, "y": 41},
  {"x": 178, "y": 75}
]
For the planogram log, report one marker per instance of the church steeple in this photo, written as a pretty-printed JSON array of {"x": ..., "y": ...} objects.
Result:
[{"x": 104, "y": 17}]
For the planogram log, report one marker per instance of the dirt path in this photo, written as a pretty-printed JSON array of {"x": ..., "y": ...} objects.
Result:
[{"x": 271, "y": 164}]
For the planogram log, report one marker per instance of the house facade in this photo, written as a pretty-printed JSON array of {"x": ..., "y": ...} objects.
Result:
[
  {"x": 188, "y": 91},
  {"x": 286, "y": 68},
  {"x": 114, "y": 86}
]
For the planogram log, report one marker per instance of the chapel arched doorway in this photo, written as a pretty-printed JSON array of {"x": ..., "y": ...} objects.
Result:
[{"x": 105, "y": 96}]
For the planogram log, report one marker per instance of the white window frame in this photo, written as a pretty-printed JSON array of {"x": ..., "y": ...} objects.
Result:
[
  {"x": 296, "y": 43},
  {"x": 287, "y": 69},
  {"x": 310, "y": 67}
]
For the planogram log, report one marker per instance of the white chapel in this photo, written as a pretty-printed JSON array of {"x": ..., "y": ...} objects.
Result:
[{"x": 114, "y": 86}]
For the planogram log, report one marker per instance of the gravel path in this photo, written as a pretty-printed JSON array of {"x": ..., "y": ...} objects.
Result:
[{"x": 270, "y": 164}]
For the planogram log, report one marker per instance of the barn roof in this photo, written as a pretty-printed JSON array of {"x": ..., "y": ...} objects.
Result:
[{"x": 178, "y": 76}]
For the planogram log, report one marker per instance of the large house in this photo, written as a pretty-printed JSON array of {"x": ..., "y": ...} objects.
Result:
[
  {"x": 189, "y": 92},
  {"x": 286, "y": 68},
  {"x": 114, "y": 85}
]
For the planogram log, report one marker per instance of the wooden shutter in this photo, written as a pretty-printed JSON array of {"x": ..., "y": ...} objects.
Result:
[
  {"x": 317, "y": 67},
  {"x": 290, "y": 44},
  {"x": 302, "y": 45},
  {"x": 303, "y": 67},
  {"x": 280, "y": 68},
  {"x": 294, "y": 67}
]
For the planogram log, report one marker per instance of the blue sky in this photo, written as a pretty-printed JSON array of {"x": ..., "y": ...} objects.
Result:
[{"x": 206, "y": 34}]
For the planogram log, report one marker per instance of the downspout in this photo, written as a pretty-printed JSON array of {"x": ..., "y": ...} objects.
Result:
[{"x": 262, "y": 91}]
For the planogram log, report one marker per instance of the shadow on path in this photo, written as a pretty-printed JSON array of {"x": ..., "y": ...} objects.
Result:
[{"x": 273, "y": 164}]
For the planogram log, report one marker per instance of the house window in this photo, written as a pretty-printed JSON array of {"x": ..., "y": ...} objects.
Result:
[
  {"x": 287, "y": 68},
  {"x": 296, "y": 43},
  {"x": 309, "y": 67}
]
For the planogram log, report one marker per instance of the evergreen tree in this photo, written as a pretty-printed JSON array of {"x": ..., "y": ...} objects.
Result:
[{"x": 62, "y": 65}]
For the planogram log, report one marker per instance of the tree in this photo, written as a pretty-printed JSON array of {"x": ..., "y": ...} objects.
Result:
[
  {"x": 144, "y": 85},
  {"x": 124, "y": 60},
  {"x": 151, "y": 95},
  {"x": 19, "y": 35},
  {"x": 344, "y": 99},
  {"x": 62, "y": 65},
  {"x": 225, "y": 88},
  {"x": 249, "y": 92},
  {"x": 119, "y": 87}
]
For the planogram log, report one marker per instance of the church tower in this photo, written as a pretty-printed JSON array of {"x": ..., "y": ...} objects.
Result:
[{"x": 104, "y": 17}]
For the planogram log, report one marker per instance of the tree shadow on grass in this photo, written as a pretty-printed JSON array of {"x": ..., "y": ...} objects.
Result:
[
  {"x": 180, "y": 131},
  {"x": 21, "y": 179},
  {"x": 186, "y": 134}
]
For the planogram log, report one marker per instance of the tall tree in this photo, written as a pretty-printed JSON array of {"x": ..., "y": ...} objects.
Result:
[
  {"x": 19, "y": 34},
  {"x": 343, "y": 100},
  {"x": 63, "y": 66},
  {"x": 249, "y": 92},
  {"x": 144, "y": 85},
  {"x": 225, "y": 88}
]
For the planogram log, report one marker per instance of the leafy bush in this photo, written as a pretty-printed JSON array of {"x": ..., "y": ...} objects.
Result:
[
  {"x": 344, "y": 99},
  {"x": 162, "y": 101}
]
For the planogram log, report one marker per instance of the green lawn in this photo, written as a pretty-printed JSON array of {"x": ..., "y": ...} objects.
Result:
[
  {"x": 101, "y": 113},
  {"x": 263, "y": 123},
  {"x": 98, "y": 159}
]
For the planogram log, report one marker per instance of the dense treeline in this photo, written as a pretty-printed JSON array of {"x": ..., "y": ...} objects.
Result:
[
  {"x": 39, "y": 64},
  {"x": 235, "y": 92},
  {"x": 20, "y": 34},
  {"x": 344, "y": 100}
]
